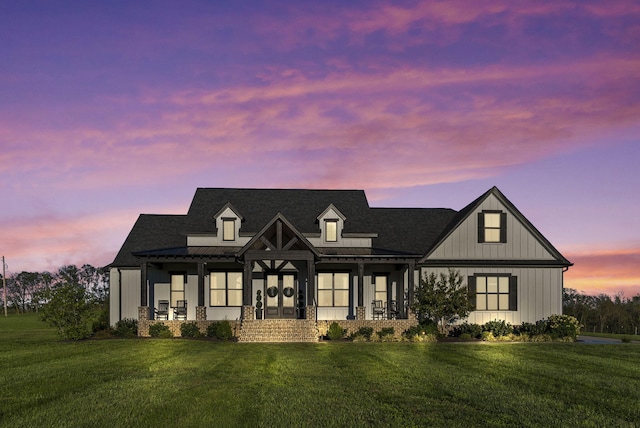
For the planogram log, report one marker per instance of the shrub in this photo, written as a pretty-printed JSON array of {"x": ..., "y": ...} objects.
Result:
[
  {"x": 69, "y": 310},
  {"x": 498, "y": 328},
  {"x": 335, "y": 331},
  {"x": 530, "y": 329},
  {"x": 473, "y": 330},
  {"x": 359, "y": 338},
  {"x": 487, "y": 336},
  {"x": 101, "y": 321},
  {"x": 224, "y": 331},
  {"x": 190, "y": 329},
  {"x": 421, "y": 333},
  {"x": 160, "y": 330},
  {"x": 127, "y": 327},
  {"x": 563, "y": 326},
  {"x": 466, "y": 336},
  {"x": 386, "y": 334},
  {"x": 364, "y": 332}
]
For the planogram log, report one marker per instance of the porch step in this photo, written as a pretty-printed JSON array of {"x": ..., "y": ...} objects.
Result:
[{"x": 278, "y": 331}]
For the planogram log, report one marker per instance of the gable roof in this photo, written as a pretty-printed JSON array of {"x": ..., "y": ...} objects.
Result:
[
  {"x": 469, "y": 209},
  {"x": 259, "y": 206}
]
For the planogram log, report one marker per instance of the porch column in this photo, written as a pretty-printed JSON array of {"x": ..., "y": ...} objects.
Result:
[
  {"x": 143, "y": 284},
  {"x": 201, "y": 284},
  {"x": 410, "y": 279},
  {"x": 360, "y": 284},
  {"x": 311, "y": 281},
  {"x": 247, "y": 283}
]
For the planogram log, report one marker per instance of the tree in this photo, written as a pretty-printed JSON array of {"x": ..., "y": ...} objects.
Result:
[
  {"x": 442, "y": 298},
  {"x": 68, "y": 308}
]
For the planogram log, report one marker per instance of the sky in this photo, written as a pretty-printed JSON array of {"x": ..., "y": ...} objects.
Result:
[{"x": 112, "y": 109}]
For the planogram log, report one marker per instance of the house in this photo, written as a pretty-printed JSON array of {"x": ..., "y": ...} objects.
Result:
[{"x": 312, "y": 257}]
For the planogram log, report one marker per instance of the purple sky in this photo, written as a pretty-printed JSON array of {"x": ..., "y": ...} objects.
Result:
[{"x": 111, "y": 109}]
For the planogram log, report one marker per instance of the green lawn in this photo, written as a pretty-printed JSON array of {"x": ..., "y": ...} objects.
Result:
[{"x": 174, "y": 382}]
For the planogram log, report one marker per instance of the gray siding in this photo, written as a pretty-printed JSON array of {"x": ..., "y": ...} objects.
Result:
[
  {"x": 463, "y": 242},
  {"x": 539, "y": 293}
]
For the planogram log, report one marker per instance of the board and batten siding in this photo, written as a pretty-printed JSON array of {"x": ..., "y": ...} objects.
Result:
[
  {"x": 124, "y": 294},
  {"x": 462, "y": 243},
  {"x": 539, "y": 293}
]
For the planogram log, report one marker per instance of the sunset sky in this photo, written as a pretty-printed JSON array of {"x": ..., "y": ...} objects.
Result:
[{"x": 115, "y": 108}]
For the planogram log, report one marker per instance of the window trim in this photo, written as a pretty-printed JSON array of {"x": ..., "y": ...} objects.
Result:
[
  {"x": 226, "y": 288},
  {"x": 226, "y": 220},
  {"x": 482, "y": 229},
  {"x": 333, "y": 288},
  {"x": 387, "y": 290},
  {"x": 326, "y": 230},
  {"x": 512, "y": 294},
  {"x": 171, "y": 289}
]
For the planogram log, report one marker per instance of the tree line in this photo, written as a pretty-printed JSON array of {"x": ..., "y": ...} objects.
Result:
[
  {"x": 27, "y": 291},
  {"x": 602, "y": 313}
]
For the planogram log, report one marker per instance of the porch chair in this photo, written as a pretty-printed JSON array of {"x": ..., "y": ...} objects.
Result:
[
  {"x": 163, "y": 310},
  {"x": 180, "y": 311},
  {"x": 393, "y": 310},
  {"x": 377, "y": 309}
]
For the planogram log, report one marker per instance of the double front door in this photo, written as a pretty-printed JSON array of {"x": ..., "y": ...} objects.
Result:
[{"x": 280, "y": 295}]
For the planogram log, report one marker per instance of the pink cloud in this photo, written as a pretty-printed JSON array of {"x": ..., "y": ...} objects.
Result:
[{"x": 607, "y": 272}]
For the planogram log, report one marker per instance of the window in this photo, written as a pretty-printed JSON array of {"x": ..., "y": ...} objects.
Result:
[
  {"x": 228, "y": 229},
  {"x": 333, "y": 289},
  {"x": 177, "y": 288},
  {"x": 331, "y": 230},
  {"x": 380, "y": 287},
  {"x": 494, "y": 292},
  {"x": 225, "y": 289},
  {"x": 492, "y": 227}
]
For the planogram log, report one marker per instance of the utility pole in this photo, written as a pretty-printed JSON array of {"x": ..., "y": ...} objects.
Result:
[{"x": 4, "y": 285}]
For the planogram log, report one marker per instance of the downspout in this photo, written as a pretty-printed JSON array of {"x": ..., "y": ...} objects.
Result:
[{"x": 119, "y": 295}]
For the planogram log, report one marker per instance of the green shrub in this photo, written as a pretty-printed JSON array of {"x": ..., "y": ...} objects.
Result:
[
  {"x": 530, "y": 329},
  {"x": 563, "y": 326},
  {"x": 127, "y": 327},
  {"x": 385, "y": 332},
  {"x": 160, "y": 330},
  {"x": 101, "y": 320},
  {"x": 190, "y": 329},
  {"x": 498, "y": 328},
  {"x": 465, "y": 336},
  {"x": 224, "y": 331},
  {"x": 364, "y": 332},
  {"x": 473, "y": 330},
  {"x": 487, "y": 336},
  {"x": 421, "y": 333},
  {"x": 359, "y": 338},
  {"x": 335, "y": 331}
]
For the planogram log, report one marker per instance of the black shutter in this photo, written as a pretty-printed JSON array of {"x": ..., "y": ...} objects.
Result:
[
  {"x": 513, "y": 293},
  {"x": 503, "y": 227},
  {"x": 480, "y": 227},
  {"x": 471, "y": 286}
]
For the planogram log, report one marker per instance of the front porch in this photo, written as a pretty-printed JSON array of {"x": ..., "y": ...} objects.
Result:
[{"x": 250, "y": 329}]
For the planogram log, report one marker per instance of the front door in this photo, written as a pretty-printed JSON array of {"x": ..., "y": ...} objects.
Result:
[{"x": 280, "y": 295}]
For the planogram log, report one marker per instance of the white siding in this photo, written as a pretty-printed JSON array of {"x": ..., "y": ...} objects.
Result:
[
  {"x": 463, "y": 242},
  {"x": 124, "y": 294},
  {"x": 539, "y": 293}
]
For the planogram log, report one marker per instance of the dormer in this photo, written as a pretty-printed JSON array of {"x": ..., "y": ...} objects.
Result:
[
  {"x": 228, "y": 221},
  {"x": 331, "y": 222}
]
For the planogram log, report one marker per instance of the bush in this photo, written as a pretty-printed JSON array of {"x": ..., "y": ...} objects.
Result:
[
  {"x": 474, "y": 331},
  {"x": 101, "y": 321},
  {"x": 498, "y": 328},
  {"x": 224, "y": 331},
  {"x": 160, "y": 330},
  {"x": 421, "y": 333},
  {"x": 127, "y": 327},
  {"x": 386, "y": 334},
  {"x": 563, "y": 326},
  {"x": 335, "y": 331},
  {"x": 69, "y": 310},
  {"x": 364, "y": 332},
  {"x": 190, "y": 329}
]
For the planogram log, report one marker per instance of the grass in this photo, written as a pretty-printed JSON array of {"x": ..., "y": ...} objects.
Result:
[{"x": 165, "y": 382}]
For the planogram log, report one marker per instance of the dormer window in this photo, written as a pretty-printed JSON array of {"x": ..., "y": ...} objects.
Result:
[
  {"x": 492, "y": 227},
  {"x": 228, "y": 229},
  {"x": 331, "y": 230}
]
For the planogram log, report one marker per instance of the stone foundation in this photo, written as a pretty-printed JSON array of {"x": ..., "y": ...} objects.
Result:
[
  {"x": 174, "y": 326},
  {"x": 201, "y": 313},
  {"x": 361, "y": 313}
]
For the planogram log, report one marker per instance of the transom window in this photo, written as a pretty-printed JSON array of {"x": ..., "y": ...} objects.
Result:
[
  {"x": 492, "y": 293},
  {"x": 177, "y": 288},
  {"x": 492, "y": 227},
  {"x": 331, "y": 230},
  {"x": 333, "y": 289},
  {"x": 228, "y": 229},
  {"x": 225, "y": 289}
]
